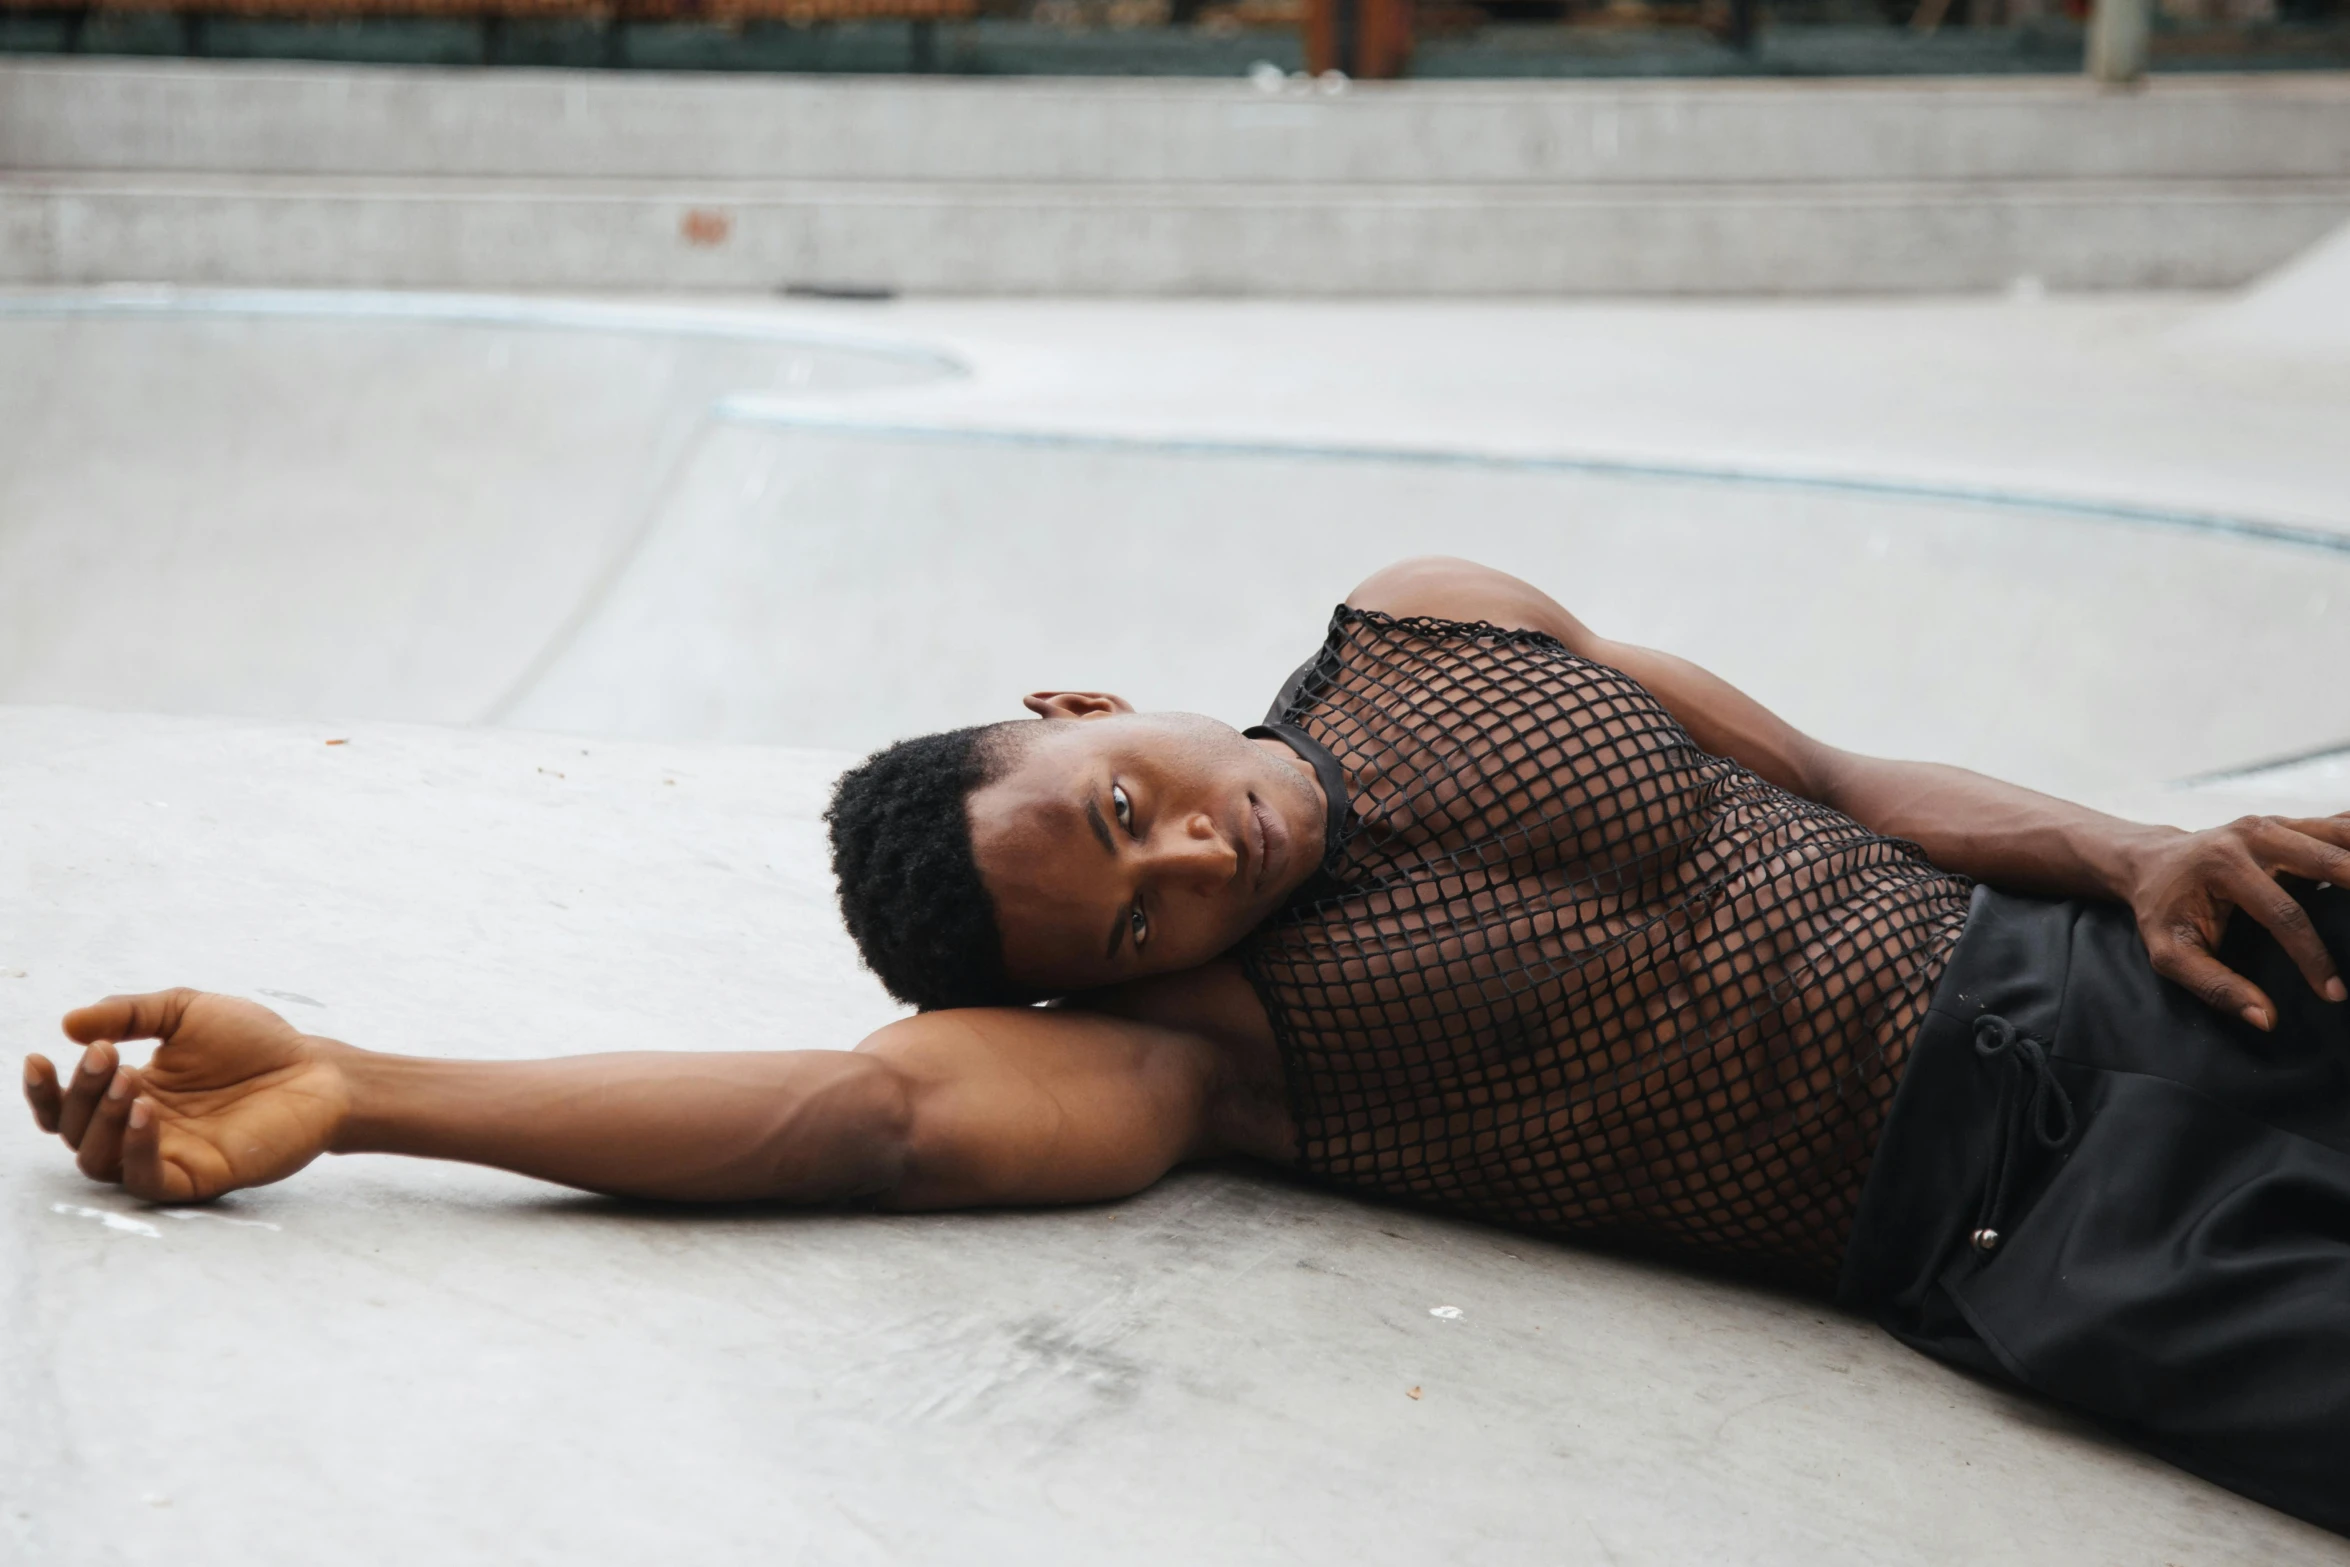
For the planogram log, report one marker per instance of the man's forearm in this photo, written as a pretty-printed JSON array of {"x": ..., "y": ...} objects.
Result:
[
  {"x": 1996, "y": 832},
  {"x": 792, "y": 1126},
  {"x": 1968, "y": 823}
]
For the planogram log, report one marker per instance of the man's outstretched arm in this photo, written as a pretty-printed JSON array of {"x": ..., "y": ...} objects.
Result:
[
  {"x": 2182, "y": 886},
  {"x": 942, "y": 1110}
]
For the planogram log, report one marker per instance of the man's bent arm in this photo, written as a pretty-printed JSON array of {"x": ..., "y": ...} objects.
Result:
[
  {"x": 1997, "y": 832},
  {"x": 1966, "y": 822},
  {"x": 2182, "y": 886}
]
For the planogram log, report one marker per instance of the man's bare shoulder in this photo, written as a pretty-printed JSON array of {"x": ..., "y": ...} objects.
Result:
[{"x": 1447, "y": 588}]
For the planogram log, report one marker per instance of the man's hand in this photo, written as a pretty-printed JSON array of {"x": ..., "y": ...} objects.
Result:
[
  {"x": 2183, "y": 890},
  {"x": 235, "y": 1096}
]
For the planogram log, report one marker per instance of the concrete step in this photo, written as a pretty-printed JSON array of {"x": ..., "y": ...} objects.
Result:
[
  {"x": 516, "y": 179},
  {"x": 1156, "y": 238},
  {"x": 288, "y": 119}
]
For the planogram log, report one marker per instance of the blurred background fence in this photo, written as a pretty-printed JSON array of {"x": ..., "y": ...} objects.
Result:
[{"x": 1375, "y": 38}]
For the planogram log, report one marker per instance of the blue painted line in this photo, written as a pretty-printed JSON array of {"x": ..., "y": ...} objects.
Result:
[
  {"x": 496, "y": 310},
  {"x": 2336, "y": 750},
  {"x": 747, "y": 408},
  {"x": 753, "y": 408}
]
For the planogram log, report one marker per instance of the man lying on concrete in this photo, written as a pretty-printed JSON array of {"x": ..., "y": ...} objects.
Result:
[{"x": 1497, "y": 916}]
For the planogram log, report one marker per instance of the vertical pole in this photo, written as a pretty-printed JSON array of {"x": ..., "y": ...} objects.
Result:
[
  {"x": 1745, "y": 18},
  {"x": 2117, "y": 40},
  {"x": 1323, "y": 43},
  {"x": 1385, "y": 51},
  {"x": 1370, "y": 40}
]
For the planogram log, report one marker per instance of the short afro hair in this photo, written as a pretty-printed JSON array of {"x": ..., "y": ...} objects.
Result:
[{"x": 909, "y": 889}]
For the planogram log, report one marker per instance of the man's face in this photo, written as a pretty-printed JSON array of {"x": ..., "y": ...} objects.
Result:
[{"x": 1121, "y": 844}]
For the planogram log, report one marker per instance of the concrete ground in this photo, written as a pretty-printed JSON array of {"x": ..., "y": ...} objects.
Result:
[{"x": 218, "y": 506}]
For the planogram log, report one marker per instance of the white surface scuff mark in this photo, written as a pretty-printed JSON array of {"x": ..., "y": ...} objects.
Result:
[
  {"x": 113, "y": 1221},
  {"x": 218, "y": 1218}
]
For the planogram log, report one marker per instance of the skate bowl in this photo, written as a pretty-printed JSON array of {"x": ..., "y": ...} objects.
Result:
[
  {"x": 466, "y": 676},
  {"x": 372, "y": 505},
  {"x": 677, "y": 525}
]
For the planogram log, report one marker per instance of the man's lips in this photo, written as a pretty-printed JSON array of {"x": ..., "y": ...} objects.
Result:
[{"x": 1270, "y": 841}]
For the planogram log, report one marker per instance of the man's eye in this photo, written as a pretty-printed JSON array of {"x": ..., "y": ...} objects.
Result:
[
  {"x": 1123, "y": 807},
  {"x": 1141, "y": 925}
]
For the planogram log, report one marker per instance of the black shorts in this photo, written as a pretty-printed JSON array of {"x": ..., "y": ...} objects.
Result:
[{"x": 2095, "y": 1186}]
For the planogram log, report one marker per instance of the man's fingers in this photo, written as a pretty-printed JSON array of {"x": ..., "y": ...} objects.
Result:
[
  {"x": 155, "y": 1015},
  {"x": 2317, "y": 849},
  {"x": 90, "y": 1077},
  {"x": 2186, "y": 963},
  {"x": 100, "y": 1155},
  {"x": 2258, "y": 894},
  {"x": 42, "y": 1091},
  {"x": 146, "y": 1174},
  {"x": 2333, "y": 829}
]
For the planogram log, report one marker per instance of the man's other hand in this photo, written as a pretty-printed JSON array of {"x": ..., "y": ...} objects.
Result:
[
  {"x": 2185, "y": 888},
  {"x": 235, "y": 1095}
]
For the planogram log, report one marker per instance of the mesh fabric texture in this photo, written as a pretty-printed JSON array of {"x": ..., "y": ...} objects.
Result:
[{"x": 1567, "y": 971}]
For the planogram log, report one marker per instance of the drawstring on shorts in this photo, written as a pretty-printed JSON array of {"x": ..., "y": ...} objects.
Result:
[{"x": 2047, "y": 1113}]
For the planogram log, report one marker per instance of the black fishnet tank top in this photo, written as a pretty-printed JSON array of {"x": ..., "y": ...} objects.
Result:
[{"x": 1564, "y": 970}]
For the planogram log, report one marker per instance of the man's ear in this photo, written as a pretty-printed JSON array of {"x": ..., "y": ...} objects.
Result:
[{"x": 1075, "y": 704}]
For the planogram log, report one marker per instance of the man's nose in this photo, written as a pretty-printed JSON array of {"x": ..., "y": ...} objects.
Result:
[{"x": 1195, "y": 852}]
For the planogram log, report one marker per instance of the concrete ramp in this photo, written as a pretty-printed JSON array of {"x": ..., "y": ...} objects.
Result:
[
  {"x": 2301, "y": 310},
  {"x": 819, "y": 581},
  {"x": 351, "y": 504}
]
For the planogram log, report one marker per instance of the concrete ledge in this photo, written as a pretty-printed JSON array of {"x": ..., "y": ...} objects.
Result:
[
  {"x": 558, "y": 124},
  {"x": 366, "y": 177},
  {"x": 1135, "y": 239}
]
